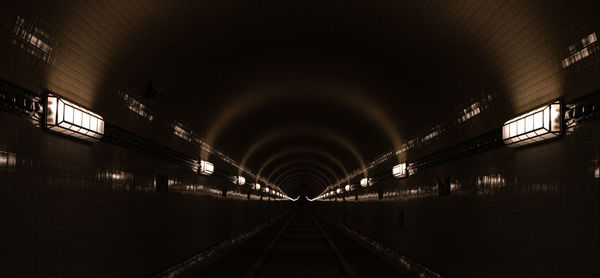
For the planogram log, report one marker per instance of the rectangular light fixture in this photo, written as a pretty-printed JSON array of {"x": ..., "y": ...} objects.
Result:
[
  {"x": 399, "y": 171},
  {"x": 538, "y": 125},
  {"x": 364, "y": 182},
  {"x": 206, "y": 168},
  {"x": 72, "y": 120},
  {"x": 239, "y": 180}
]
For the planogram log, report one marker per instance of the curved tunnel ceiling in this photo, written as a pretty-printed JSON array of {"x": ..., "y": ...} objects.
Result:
[{"x": 343, "y": 80}]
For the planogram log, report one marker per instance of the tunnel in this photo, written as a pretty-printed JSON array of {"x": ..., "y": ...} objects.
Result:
[{"x": 299, "y": 138}]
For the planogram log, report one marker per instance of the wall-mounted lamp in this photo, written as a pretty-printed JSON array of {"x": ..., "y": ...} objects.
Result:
[
  {"x": 538, "y": 125},
  {"x": 399, "y": 171},
  {"x": 364, "y": 182},
  {"x": 67, "y": 118},
  {"x": 239, "y": 180},
  {"x": 206, "y": 168}
]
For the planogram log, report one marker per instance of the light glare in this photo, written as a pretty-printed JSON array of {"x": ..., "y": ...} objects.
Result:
[
  {"x": 239, "y": 180},
  {"x": 206, "y": 168},
  {"x": 364, "y": 182},
  {"x": 535, "y": 126},
  {"x": 399, "y": 171},
  {"x": 70, "y": 119}
]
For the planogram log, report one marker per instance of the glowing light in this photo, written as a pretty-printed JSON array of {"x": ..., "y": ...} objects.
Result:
[
  {"x": 195, "y": 166},
  {"x": 72, "y": 120},
  {"x": 267, "y": 189},
  {"x": 347, "y": 187},
  {"x": 135, "y": 105},
  {"x": 475, "y": 108},
  {"x": 338, "y": 191},
  {"x": 454, "y": 186},
  {"x": 589, "y": 47},
  {"x": 399, "y": 171},
  {"x": 541, "y": 124},
  {"x": 239, "y": 180},
  {"x": 8, "y": 160},
  {"x": 491, "y": 181},
  {"x": 206, "y": 168},
  {"x": 257, "y": 186},
  {"x": 597, "y": 173},
  {"x": 364, "y": 182},
  {"x": 3, "y": 159},
  {"x": 33, "y": 39},
  {"x": 433, "y": 132},
  {"x": 180, "y": 131},
  {"x": 296, "y": 199},
  {"x": 316, "y": 198},
  {"x": 331, "y": 193}
]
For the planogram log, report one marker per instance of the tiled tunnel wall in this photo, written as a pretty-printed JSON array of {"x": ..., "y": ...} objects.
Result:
[
  {"x": 58, "y": 219},
  {"x": 85, "y": 62},
  {"x": 530, "y": 212},
  {"x": 60, "y": 216}
]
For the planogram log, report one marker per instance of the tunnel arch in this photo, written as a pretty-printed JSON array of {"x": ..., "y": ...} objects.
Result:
[
  {"x": 298, "y": 169},
  {"x": 288, "y": 180},
  {"x": 306, "y": 180},
  {"x": 302, "y": 150},
  {"x": 98, "y": 76},
  {"x": 311, "y": 130},
  {"x": 303, "y": 161}
]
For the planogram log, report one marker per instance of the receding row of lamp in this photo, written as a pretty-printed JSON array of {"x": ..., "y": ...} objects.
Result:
[
  {"x": 541, "y": 124},
  {"x": 64, "y": 117},
  {"x": 206, "y": 168}
]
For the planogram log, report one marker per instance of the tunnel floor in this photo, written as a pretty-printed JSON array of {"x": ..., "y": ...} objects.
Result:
[{"x": 298, "y": 245}]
